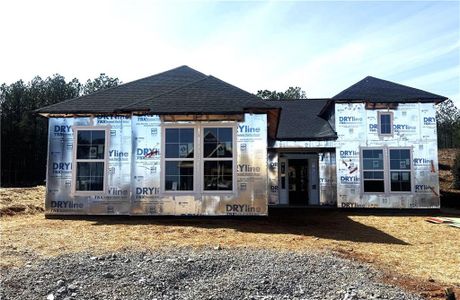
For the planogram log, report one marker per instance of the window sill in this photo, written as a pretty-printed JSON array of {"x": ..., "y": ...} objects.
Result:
[
  {"x": 207, "y": 193},
  {"x": 88, "y": 193},
  {"x": 387, "y": 194}
]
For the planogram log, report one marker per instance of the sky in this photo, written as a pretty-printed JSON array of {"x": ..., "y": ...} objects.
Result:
[{"x": 322, "y": 47}]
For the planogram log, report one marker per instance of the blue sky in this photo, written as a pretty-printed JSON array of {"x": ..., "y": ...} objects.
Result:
[{"x": 323, "y": 47}]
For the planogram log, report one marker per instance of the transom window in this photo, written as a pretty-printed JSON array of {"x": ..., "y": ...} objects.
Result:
[
  {"x": 386, "y": 170},
  {"x": 90, "y": 160},
  {"x": 385, "y": 123},
  {"x": 198, "y": 158}
]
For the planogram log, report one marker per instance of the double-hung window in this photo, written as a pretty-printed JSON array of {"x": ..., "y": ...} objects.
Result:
[
  {"x": 218, "y": 158},
  {"x": 90, "y": 160},
  {"x": 373, "y": 171},
  {"x": 179, "y": 154},
  {"x": 198, "y": 158},
  {"x": 386, "y": 170},
  {"x": 400, "y": 167}
]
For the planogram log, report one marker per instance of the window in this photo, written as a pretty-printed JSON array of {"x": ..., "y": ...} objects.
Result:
[
  {"x": 385, "y": 123},
  {"x": 386, "y": 170},
  {"x": 90, "y": 160},
  {"x": 218, "y": 159},
  {"x": 198, "y": 158},
  {"x": 373, "y": 171},
  {"x": 400, "y": 170},
  {"x": 179, "y": 159}
]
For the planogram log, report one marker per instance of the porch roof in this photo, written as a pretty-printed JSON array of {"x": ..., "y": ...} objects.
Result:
[{"x": 300, "y": 120}]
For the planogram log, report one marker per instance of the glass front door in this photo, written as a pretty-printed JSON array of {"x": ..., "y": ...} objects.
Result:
[{"x": 298, "y": 181}]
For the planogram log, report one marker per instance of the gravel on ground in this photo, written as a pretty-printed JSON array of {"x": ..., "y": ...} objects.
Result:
[{"x": 186, "y": 273}]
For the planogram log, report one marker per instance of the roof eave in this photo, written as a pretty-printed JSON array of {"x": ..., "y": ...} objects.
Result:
[
  {"x": 407, "y": 100},
  {"x": 300, "y": 139}
]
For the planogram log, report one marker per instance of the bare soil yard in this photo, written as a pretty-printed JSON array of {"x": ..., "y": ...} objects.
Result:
[
  {"x": 18, "y": 201},
  {"x": 417, "y": 254}
]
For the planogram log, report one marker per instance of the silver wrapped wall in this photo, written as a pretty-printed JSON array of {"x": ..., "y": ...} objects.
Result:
[
  {"x": 134, "y": 157},
  {"x": 133, "y": 172},
  {"x": 414, "y": 128},
  {"x": 327, "y": 179}
]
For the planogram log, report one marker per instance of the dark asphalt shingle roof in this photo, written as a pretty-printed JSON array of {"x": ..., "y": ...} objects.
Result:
[
  {"x": 109, "y": 100},
  {"x": 208, "y": 95},
  {"x": 299, "y": 120},
  {"x": 180, "y": 90},
  {"x": 373, "y": 89}
]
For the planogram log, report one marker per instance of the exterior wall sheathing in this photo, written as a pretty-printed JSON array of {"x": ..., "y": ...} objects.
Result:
[
  {"x": 133, "y": 178},
  {"x": 414, "y": 127}
]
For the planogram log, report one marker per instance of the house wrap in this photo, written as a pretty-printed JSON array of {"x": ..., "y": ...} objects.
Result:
[{"x": 184, "y": 143}]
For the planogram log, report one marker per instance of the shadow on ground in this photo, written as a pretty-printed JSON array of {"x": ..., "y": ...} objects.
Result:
[
  {"x": 450, "y": 199},
  {"x": 326, "y": 224}
]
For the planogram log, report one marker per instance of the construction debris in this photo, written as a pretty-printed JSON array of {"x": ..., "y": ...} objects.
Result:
[{"x": 453, "y": 222}]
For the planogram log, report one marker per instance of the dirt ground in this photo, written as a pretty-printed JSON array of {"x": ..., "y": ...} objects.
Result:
[
  {"x": 418, "y": 255},
  {"x": 449, "y": 196},
  {"x": 19, "y": 201},
  {"x": 446, "y": 159}
]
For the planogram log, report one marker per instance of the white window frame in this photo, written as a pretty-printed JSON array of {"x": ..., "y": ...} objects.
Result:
[
  {"x": 164, "y": 159},
  {"x": 361, "y": 161},
  {"x": 379, "y": 123},
  {"x": 387, "y": 171},
  {"x": 198, "y": 164},
  {"x": 75, "y": 160},
  {"x": 232, "y": 125},
  {"x": 410, "y": 170}
]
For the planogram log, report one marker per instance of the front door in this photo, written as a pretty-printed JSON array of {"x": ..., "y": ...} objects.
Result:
[{"x": 298, "y": 181}]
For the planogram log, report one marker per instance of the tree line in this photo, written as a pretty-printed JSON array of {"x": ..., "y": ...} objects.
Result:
[
  {"x": 448, "y": 123},
  {"x": 24, "y": 134}
]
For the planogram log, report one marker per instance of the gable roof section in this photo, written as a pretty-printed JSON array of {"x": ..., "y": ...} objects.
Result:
[
  {"x": 115, "y": 98},
  {"x": 373, "y": 89},
  {"x": 299, "y": 120}
]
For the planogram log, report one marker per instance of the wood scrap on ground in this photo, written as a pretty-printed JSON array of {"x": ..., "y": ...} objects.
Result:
[{"x": 453, "y": 222}]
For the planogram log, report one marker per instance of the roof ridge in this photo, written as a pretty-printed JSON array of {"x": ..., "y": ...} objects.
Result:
[
  {"x": 356, "y": 83},
  {"x": 405, "y": 86},
  {"x": 300, "y": 100},
  {"x": 236, "y": 87},
  {"x": 165, "y": 93},
  {"x": 123, "y": 84},
  {"x": 433, "y": 95}
]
